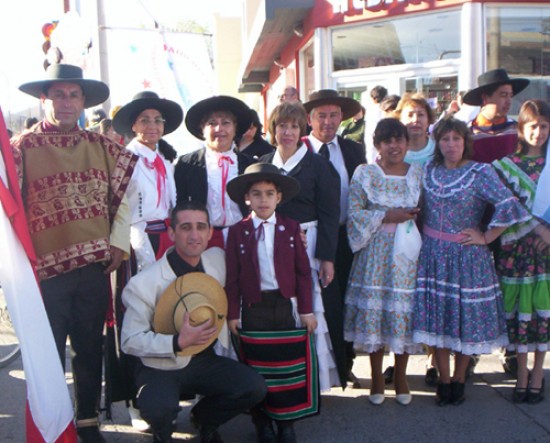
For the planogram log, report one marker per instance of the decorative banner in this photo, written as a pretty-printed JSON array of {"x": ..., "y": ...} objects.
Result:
[{"x": 176, "y": 66}]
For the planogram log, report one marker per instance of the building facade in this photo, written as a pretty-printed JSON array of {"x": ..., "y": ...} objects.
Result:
[{"x": 435, "y": 47}]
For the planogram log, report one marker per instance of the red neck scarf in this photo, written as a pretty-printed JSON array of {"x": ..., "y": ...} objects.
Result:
[
  {"x": 160, "y": 169},
  {"x": 223, "y": 162}
]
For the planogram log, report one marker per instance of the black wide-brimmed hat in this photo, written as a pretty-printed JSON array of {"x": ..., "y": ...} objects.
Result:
[
  {"x": 95, "y": 92},
  {"x": 322, "y": 97},
  {"x": 490, "y": 79},
  {"x": 237, "y": 187},
  {"x": 199, "y": 110},
  {"x": 126, "y": 116}
]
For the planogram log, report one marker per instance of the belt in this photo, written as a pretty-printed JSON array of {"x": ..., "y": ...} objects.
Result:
[{"x": 445, "y": 236}]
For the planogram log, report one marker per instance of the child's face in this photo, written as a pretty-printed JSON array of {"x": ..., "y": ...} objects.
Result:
[
  {"x": 536, "y": 132},
  {"x": 263, "y": 198}
]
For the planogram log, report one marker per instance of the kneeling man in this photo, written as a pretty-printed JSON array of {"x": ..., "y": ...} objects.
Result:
[{"x": 166, "y": 370}]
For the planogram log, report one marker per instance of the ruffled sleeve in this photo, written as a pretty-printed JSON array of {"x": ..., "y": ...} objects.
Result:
[
  {"x": 362, "y": 222},
  {"x": 508, "y": 210},
  {"x": 522, "y": 187}
]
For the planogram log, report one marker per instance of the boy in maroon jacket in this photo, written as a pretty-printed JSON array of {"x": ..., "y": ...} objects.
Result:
[{"x": 267, "y": 267}]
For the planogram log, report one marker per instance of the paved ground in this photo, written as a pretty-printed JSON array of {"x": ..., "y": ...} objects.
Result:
[{"x": 488, "y": 415}]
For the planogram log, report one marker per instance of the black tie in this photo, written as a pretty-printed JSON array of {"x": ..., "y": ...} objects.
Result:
[{"x": 324, "y": 151}]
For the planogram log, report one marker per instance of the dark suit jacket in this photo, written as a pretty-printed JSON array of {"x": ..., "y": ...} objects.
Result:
[
  {"x": 318, "y": 199},
  {"x": 292, "y": 270},
  {"x": 192, "y": 180},
  {"x": 353, "y": 153}
]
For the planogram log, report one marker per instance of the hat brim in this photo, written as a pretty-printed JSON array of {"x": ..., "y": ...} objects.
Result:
[
  {"x": 349, "y": 106},
  {"x": 474, "y": 96},
  {"x": 239, "y": 186},
  {"x": 199, "y": 110},
  {"x": 95, "y": 92},
  {"x": 164, "y": 321},
  {"x": 126, "y": 116}
]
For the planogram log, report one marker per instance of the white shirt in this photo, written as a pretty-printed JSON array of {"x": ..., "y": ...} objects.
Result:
[
  {"x": 268, "y": 280},
  {"x": 142, "y": 190},
  {"x": 292, "y": 162},
  {"x": 337, "y": 160},
  {"x": 232, "y": 213}
]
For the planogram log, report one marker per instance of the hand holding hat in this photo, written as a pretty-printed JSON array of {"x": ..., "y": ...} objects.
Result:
[{"x": 192, "y": 300}]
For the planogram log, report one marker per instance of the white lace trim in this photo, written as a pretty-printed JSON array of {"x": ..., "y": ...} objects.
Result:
[{"x": 455, "y": 344}]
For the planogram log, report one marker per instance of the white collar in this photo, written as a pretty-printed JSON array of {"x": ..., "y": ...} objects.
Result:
[
  {"x": 258, "y": 221},
  {"x": 292, "y": 161},
  {"x": 316, "y": 143}
]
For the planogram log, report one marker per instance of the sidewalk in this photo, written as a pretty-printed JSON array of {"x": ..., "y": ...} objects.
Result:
[{"x": 487, "y": 415}]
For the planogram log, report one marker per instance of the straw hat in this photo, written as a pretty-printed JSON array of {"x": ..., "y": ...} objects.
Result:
[
  {"x": 197, "y": 293},
  {"x": 95, "y": 92}
]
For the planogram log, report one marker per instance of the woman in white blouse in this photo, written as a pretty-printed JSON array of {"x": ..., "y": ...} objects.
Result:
[{"x": 152, "y": 191}]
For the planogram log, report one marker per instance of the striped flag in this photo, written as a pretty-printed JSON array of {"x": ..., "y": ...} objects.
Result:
[{"x": 49, "y": 411}]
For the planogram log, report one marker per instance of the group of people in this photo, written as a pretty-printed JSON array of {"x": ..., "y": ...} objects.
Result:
[{"x": 321, "y": 251}]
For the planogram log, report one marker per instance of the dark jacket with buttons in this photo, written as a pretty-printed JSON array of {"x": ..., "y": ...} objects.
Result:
[{"x": 292, "y": 269}]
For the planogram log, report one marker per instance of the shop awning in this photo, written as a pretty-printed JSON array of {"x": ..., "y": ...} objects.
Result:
[{"x": 269, "y": 32}]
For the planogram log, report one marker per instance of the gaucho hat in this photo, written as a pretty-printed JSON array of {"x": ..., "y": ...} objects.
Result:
[
  {"x": 322, "y": 97},
  {"x": 95, "y": 92},
  {"x": 201, "y": 296},
  {"x": 200, "y": 110},
  {"x": 490, "y": 79},
  {"x": 237, "y": 187},
  {"x": 126, "y": 116}
]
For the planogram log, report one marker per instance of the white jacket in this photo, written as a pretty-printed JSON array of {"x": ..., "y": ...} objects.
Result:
[{"x": 140, "y": 297}]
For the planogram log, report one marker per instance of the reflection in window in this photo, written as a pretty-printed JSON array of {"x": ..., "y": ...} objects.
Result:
[
  {"x": 518, "y": 40},
  {"x": 417, "y": 39}
]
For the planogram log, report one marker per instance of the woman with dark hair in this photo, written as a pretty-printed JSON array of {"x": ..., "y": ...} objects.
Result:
[
  {"x": 152, "y": 190},
  {"x": 383, "y": 204},
  {"x": 316, "y": 207},
  {"x": 523, "y": 260},
  {"x": 202, "y": 175},
  {"x": 458, "y": 302},
  {"x": 252, "y": 143}
]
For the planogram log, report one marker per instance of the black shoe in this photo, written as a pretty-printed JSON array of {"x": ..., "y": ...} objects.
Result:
[
  {"x": 286, "y": 433},
  {"x": 353, "y": 380},
  {"x": 510, "y": 363},
  {"x": 90, "y": 434},
  {"x": 535, "y": 395},
  {"x": 158, "y": 439},
  {"x": 474, "y": 359},
  {"x": 432, "y": 377},
  {"x": 457, "y": 393},
  {"x": 519, "y": 395},
  {"x": 265, "y": 432},
  {"x": 388, "y": 375},
  {"x": 211, "y": 436},
  {"x": 443, "y": 394}
]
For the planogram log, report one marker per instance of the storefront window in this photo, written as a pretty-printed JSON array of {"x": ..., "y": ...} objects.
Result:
[
  {"x": 308, "y": 69},
  {"x": 418, "y": 39},
  {"x": 518, "y": 40}
]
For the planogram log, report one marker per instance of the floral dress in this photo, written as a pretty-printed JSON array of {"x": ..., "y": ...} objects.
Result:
[
  {"x": 524, "y": 272},
  {"x": 458, "y": 301},
  {"x": 379, "y": 298}
]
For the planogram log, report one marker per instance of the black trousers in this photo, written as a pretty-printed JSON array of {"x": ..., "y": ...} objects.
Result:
[
  {"x": 227, "y": 386},
  {"x": 76, "y": 304},
  {"x": 272, "y": 313}
]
